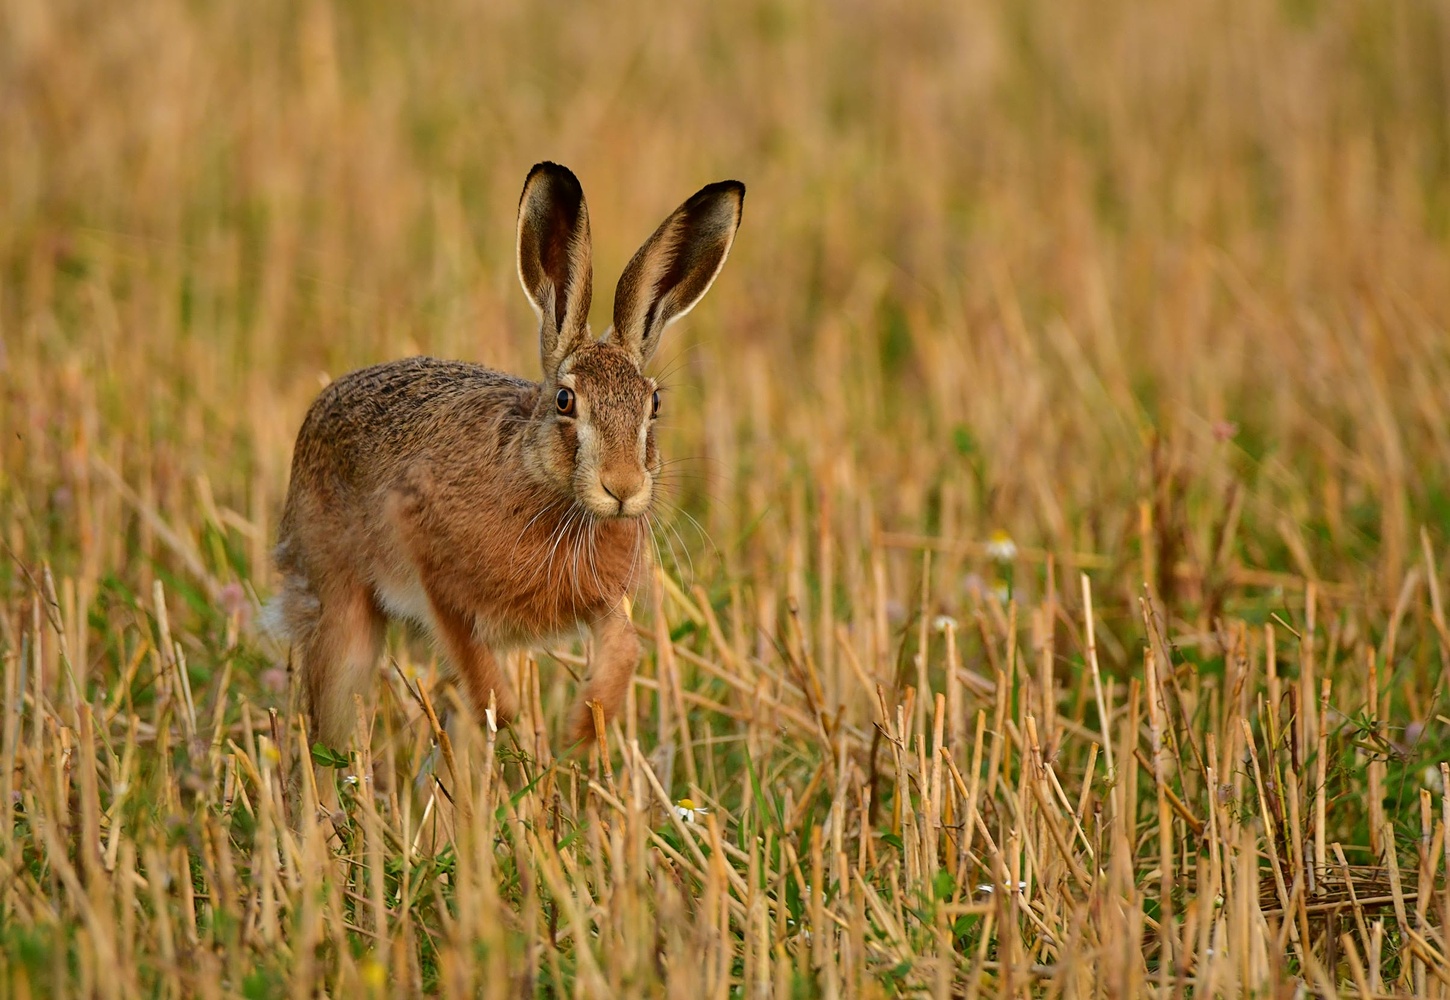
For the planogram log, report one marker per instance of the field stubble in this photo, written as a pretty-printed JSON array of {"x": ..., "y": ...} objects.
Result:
[{"x": 1051, "y": 597}]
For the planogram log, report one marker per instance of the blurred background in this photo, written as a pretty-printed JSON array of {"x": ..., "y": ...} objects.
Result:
[
  {"x": 1152, "y": 290},
  {"x": 1152, "y": 285}
]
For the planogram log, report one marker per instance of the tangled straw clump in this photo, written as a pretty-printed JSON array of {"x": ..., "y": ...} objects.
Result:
[{"x": 1155, "y": 291}]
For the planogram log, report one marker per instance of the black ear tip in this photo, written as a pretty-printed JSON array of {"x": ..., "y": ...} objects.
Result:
[
  {"x": 713, "y": 197},
  {"x": 733, "y": 188},
  {"x": 554, "y": 174}
]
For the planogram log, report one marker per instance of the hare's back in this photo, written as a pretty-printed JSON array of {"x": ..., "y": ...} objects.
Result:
[{"x": 386, "y": 413}]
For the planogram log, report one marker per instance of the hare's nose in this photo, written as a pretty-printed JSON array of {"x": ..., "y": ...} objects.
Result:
[{"x": 622, "y": 487}]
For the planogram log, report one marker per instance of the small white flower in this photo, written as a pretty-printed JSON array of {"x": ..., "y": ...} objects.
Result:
[
  {"x": 351, "y": 779},
  {"x": 943, "y": 622},
  {"x": 1001, "y": 547},
  {"x": 688, "y": 811}
]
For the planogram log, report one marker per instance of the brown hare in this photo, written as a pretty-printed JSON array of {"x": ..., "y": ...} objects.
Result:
[{"x": 492, "y": 510}]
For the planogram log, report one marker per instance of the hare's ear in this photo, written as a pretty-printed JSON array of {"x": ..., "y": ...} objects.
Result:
[
  {"x": 554, "y": 264},
  {"x": 675, "y": 267}
]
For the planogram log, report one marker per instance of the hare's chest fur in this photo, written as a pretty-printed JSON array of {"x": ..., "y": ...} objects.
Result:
[{"x": 524, "y": 571}]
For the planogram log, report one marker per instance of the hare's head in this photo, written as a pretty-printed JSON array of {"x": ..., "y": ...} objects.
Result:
[{"x": 592, "y": 433}]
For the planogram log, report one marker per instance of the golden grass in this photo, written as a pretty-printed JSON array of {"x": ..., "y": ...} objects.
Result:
[{"x": 1158, "y": 290}]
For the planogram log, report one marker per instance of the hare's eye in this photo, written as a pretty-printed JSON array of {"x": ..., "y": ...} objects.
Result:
[
  {"x": 564, "y": 402},
  {"x": 654, "y": 406}
]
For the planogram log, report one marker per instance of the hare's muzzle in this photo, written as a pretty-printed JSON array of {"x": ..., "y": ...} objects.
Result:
[{"x": 628, "y": 492}]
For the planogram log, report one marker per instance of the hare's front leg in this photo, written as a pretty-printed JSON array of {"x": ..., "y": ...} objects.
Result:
[
  {"x": 474, "y": 663},
  {"x": 615, "y": 654}
]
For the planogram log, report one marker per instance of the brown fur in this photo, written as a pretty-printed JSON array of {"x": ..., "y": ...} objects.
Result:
[{"x": 462, "y": 497}]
